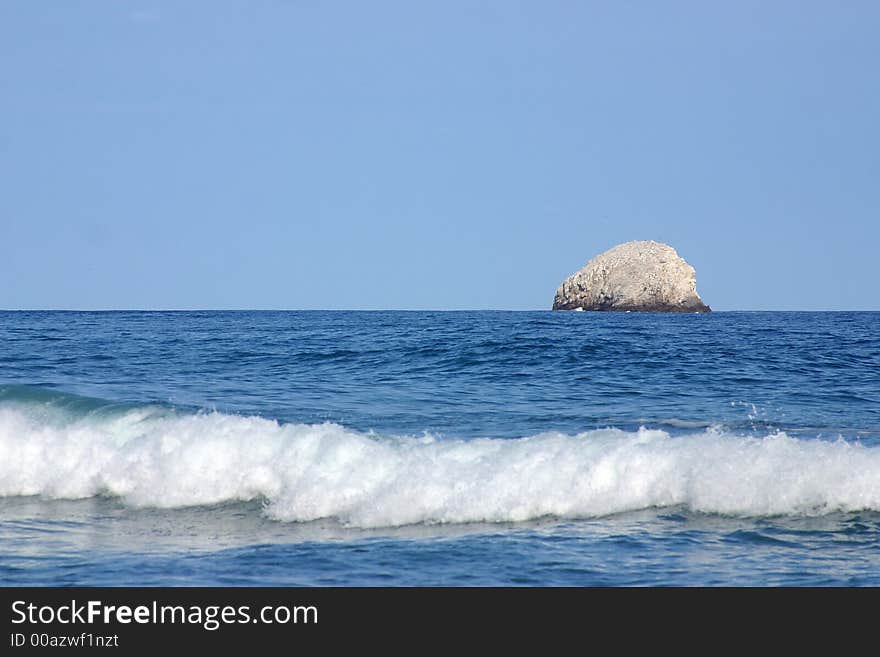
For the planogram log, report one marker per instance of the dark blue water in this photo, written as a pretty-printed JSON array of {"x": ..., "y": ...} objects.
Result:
[{"x": 450, "y": 448}]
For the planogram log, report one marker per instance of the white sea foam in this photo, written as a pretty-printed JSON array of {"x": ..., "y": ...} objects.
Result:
[{"x": 306, "y": 472}]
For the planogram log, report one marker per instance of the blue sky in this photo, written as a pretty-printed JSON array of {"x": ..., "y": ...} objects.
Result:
[{"x": 444, "y": 155}]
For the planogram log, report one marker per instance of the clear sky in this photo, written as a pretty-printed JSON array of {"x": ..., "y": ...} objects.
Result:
[{"x": 444, "y": 155}]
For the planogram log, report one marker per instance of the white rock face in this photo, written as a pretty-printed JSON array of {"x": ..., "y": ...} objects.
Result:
[{"x": 640, "y": 276}]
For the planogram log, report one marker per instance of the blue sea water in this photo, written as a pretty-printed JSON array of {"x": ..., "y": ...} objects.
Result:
[{"x": 439, "y": 448}]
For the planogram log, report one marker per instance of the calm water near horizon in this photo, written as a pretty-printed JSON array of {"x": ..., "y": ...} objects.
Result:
[{"x": 439, "y": 448}]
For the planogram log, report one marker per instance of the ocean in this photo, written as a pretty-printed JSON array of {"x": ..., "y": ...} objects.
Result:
[{"x": 418, "y": 448}]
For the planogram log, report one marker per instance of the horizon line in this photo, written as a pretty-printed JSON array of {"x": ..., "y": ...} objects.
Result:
[{"x": 426, "y": 310}]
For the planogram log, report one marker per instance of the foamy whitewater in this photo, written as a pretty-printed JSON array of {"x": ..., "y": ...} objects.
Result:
[
  {"x": 477, "y": 448},
  {"x": 307, "y": 472}
]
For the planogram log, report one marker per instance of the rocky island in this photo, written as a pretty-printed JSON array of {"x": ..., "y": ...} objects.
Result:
[{"x": 642, "y": 276}]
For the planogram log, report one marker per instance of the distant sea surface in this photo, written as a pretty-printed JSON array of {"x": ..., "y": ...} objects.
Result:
[{"x": 439, "y": 448}]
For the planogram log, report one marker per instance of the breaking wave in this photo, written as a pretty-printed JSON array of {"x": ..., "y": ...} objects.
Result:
[{"x": 60, "y": 446}]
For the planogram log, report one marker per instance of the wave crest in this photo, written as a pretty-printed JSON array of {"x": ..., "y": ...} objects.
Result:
[{"x": 150, "y": 457}]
